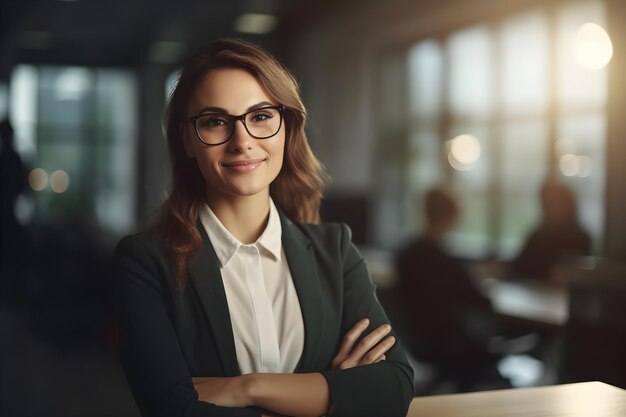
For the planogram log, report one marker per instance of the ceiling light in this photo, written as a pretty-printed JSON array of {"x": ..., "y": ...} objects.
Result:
[{"x": 255, "y": 23}]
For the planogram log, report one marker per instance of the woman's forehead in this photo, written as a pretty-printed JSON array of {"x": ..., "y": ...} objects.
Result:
[{"x": 233, "y": 90}]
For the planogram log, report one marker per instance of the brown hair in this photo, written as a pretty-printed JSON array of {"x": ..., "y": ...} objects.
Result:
[{"x": 297, "y": 189}]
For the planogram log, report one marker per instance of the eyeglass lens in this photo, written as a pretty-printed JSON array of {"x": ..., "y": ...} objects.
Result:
[{"x": 215, "y": 128}]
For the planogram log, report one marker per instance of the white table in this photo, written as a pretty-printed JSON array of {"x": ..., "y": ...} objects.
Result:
[
  {"x": 528, "y": 300},
  {"x": 587, "y": 399}
]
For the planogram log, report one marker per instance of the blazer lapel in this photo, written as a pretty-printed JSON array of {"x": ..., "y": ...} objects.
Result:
[
  {"x": 303, "y": 268},
  {"x": 207, "y": 279}
]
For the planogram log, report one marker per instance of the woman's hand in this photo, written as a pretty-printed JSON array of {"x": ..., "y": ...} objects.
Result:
[
  {"x": 371, "y": 349},
  {"x": 227, "y": 392}
]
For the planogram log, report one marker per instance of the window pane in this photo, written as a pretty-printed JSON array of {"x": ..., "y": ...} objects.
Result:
[
  {"x": 424, "y": 159},
  {"x": 524, "y": 169},
  {"x": 392, "y": 90},
  {"x": 425, "y": 69},
  {"x": 117, "y": 113},
  {"x": 85, "y": 126},
  {"x": 471, "y": 75},
  {"x": 470, "y": 237},
  {"x": 423, "y": 171},
  {"x": 23, "y": 108},
  {"x": 578, "y": 87},
  {"x": 524, "y": 52}
]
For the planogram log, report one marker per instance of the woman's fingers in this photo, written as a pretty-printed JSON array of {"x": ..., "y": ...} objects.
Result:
[
  {"x": 368, "y": 350},
  {"x": 369, "y": 341},
  {"x": 349, "y": 340},
  {"x": 378, "y": 351}
]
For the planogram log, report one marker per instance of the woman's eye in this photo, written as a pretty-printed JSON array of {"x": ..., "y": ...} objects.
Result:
[
  {"x": 213, "y": 121},
  {"x": 261, "y": 116}
]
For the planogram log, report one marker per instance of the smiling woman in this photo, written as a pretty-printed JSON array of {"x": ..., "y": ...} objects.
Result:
[
  {"x": 238, "y": 301},
  {"x": 242, "y": 159}
]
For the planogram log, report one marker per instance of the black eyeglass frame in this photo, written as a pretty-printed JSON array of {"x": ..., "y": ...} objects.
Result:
[{"x": 233, "y": 119}]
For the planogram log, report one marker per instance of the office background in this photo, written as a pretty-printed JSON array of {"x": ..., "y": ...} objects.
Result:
[{"x": 487, "y": 98}]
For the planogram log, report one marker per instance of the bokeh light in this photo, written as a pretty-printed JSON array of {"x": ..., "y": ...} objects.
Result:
[
  {"x": 59, "y": 181},
  {"x": 592, "y": 46},
  {"x": 569, "y": 164},
  {"x": 463, "y": 151},
  {"x": 575, "y": 165},
  {"x": 38, "y": 179},
  {"x": 584, "y": 166}
]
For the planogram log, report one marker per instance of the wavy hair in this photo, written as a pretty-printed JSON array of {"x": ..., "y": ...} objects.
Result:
[{"x": 297, "y": 189}]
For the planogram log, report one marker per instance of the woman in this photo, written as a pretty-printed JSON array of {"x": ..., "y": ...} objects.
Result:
[{"x": 238, "y": 302}]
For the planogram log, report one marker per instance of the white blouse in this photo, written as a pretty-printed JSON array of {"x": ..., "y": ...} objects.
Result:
[{"x": 264, "y": 309}]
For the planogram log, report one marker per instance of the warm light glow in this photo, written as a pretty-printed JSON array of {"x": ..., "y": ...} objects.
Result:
[
  {"x": 465, "y": 149},
  {"x": 59, "y": 181},
  {"x": 592, "y": 46},
  {"x": 584, "y": 166},
  {"x": 456, "y": 164},
  {"x": 38, "y": 179},
  {"x": 569, "y": 164},
  {"x": 255, "y": 23}
]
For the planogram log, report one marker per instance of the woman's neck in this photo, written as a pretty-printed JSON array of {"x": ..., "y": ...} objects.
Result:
[{"x": 244, "y": 217}]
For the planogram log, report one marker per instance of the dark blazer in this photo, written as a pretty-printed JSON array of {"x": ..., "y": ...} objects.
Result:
[{"x": 167, "y": 337}]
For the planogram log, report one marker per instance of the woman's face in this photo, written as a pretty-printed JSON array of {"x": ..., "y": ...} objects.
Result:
[{"x": 243, "y": 166}]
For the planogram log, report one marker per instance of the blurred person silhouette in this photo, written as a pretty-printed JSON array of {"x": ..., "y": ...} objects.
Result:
[
  {"x": 558, "y": 237},
  {"x": 446, "y": 317},
  {"x": 12, "y": 184},
  {"x": 12, "y": 176}
]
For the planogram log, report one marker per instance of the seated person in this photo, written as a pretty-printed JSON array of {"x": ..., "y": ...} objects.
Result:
[
  {"x": 558, "y": 237},
  {"x": 439, "y": 298}
]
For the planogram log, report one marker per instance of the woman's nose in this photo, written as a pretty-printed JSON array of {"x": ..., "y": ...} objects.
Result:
[{"x": 241, "y": 139}]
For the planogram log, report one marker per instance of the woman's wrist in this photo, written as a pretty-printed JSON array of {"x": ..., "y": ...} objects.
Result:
[{"x": 249, "y": 387}]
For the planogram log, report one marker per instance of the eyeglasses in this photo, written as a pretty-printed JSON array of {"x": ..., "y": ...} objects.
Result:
[{"x": 217, "y": 128}]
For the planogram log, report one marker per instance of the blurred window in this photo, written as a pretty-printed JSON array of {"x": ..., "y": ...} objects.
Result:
[
  {"x": 425, "y": 74},
  {"x": 494, "y": 83},
  {"x": 470, "y": 70},
  {"x": 79, "y": 126}
]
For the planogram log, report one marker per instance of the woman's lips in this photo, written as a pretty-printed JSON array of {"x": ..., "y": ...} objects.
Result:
[{"x": 244, "y": 165}]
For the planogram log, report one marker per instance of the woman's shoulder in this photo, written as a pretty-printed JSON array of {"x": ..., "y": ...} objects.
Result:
[
  {"x": 326, "y": 231},
  {"x": 330, "y": 240},
  {"x": 145, "y": 243}
]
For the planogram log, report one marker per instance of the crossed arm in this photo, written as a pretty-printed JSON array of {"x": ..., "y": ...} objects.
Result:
[
  {"x": 158, "y": 370},
  {"x": 296, "y": 394}
]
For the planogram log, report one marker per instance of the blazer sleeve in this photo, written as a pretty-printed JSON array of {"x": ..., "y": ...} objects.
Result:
[
  {"x": 381, "y": 389},
  {"x": 153, "y": 362}
]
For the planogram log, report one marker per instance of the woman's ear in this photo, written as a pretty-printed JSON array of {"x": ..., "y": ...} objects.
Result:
[{"x": 187, "y": 142}]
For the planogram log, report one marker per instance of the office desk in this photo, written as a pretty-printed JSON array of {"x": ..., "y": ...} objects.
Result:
[
  {"x": 586, "y": 399},
  {"x": 528, "y": 300}
]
